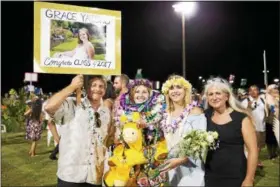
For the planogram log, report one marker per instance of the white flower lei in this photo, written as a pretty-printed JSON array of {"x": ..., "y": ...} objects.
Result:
[{"x": 157, "y": 112}]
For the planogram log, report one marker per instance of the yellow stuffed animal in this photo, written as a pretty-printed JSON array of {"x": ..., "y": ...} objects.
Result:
[
  {"x": 161, "y": 150},
  {"x": 124, "y": 158}
]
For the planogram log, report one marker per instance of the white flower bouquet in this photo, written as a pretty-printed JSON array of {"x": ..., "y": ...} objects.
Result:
[{"x": 195, "y": 144}]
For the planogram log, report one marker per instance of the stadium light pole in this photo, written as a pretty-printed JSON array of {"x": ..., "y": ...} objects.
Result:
[{"x": 187, "y": 9}]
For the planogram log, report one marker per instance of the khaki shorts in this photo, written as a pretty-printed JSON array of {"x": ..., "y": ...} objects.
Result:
[{"x": 260, "y": 139}]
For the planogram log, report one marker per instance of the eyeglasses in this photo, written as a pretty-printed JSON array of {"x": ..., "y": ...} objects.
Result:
[
  {"x": 97, "y": 119},
  {"x": 216, "y": 80}
]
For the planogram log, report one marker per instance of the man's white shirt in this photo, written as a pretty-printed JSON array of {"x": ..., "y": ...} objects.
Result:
[
  {"x": 258, "y": 112},
  {"x": 81, "y": 148}
]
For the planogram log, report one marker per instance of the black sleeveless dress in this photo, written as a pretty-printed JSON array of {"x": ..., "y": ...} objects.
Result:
[{"x": 227, "y": 165}]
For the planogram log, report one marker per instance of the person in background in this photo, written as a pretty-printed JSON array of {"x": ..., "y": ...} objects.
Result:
[
  {"x": 121, "y": 87},
  {"x": 108, "y": 100},
  {"x": 34, "y": 125},
  {"x": 120, "y": 84},
  {"x": 241, "y": 94},
  {"x": 197, "y": 98},
  {"x": 109, "y": 96},
  {"x": 48, "y": 127},
  {"x": 53, "y": 130},
  {"x": 255, "y": 103},
  {"x": 272, "y": 100},
  {"x": 227, "y": 165}
]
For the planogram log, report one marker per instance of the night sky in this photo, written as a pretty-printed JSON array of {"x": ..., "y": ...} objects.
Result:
[{"x": 222, "y": 38}]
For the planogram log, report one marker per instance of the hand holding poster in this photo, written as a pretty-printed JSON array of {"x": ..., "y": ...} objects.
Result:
[{"x": 76, "y": 40}]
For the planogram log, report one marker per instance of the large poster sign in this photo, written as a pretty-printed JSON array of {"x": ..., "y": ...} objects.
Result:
[{"x": 76, "y": 40}]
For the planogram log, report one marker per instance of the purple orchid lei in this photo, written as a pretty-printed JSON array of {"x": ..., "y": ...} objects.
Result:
[
  {"x": 154, "y": 102},
  {"x": 128, "y": 106},
  {"x": 171, "y": 127}
]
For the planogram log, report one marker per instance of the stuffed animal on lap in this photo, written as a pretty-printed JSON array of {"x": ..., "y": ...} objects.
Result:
[{"x": 126, "y": 155}]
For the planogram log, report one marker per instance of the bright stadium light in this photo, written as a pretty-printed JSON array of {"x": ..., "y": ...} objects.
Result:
[{"x": 187, "y": 9}]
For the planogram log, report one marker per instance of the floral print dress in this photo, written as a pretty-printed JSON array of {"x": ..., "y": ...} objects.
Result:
[{"x": 33, "y": 130}]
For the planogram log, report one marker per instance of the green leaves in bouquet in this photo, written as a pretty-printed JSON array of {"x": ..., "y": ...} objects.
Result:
[
  {"x": 153, "y": 173},
  {"x": 196, "y": 142}
]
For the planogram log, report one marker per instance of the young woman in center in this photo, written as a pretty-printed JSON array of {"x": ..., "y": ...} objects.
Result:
[{"x": 181, "y": 117}]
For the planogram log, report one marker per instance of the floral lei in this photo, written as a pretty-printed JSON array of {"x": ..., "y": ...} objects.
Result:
[
  {"x": 171, "y": 127},
  {"x": 175, "y": 81},
  {"x": 152, "y": 108},
  {"x": 144, "y": 82}
]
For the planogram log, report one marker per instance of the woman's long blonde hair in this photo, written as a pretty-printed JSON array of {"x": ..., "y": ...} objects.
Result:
[
  {"x": 225, "y": 87},
  {"x": 172, "y": 81}
]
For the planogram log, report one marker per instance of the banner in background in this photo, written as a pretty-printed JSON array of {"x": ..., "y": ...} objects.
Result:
[{"x": 76, "y": 40}]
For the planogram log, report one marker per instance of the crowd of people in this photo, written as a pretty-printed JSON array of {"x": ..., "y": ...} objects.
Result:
[{"x": 92, "y": 136}]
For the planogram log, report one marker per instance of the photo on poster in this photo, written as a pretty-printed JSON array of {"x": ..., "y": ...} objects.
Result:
[{"x": 76, "y": 40}]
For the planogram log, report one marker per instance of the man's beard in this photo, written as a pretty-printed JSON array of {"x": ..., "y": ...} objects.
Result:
[{"x": 117, "y": 91}]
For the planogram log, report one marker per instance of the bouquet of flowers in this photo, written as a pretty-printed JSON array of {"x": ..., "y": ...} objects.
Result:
[{"x": 195, "y": 144}]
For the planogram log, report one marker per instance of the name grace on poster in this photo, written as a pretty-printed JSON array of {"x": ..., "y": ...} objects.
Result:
[{"x": 73, "y": 16}]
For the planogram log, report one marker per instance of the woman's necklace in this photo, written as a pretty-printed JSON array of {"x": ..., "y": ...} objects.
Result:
[{"x": 170, "y": 126}]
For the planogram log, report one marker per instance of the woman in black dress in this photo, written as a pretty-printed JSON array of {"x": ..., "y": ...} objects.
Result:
[{"x": 227, "y": 165}]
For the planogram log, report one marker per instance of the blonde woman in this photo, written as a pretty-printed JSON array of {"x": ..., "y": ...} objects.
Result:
[
  {"x": 227, "y": 165},
  {"x": 84, "y": 50},
  {"x": 180, "y": 118}
]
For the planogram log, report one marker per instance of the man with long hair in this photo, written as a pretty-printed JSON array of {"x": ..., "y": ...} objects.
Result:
[{"x": 82, "y": 145}]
